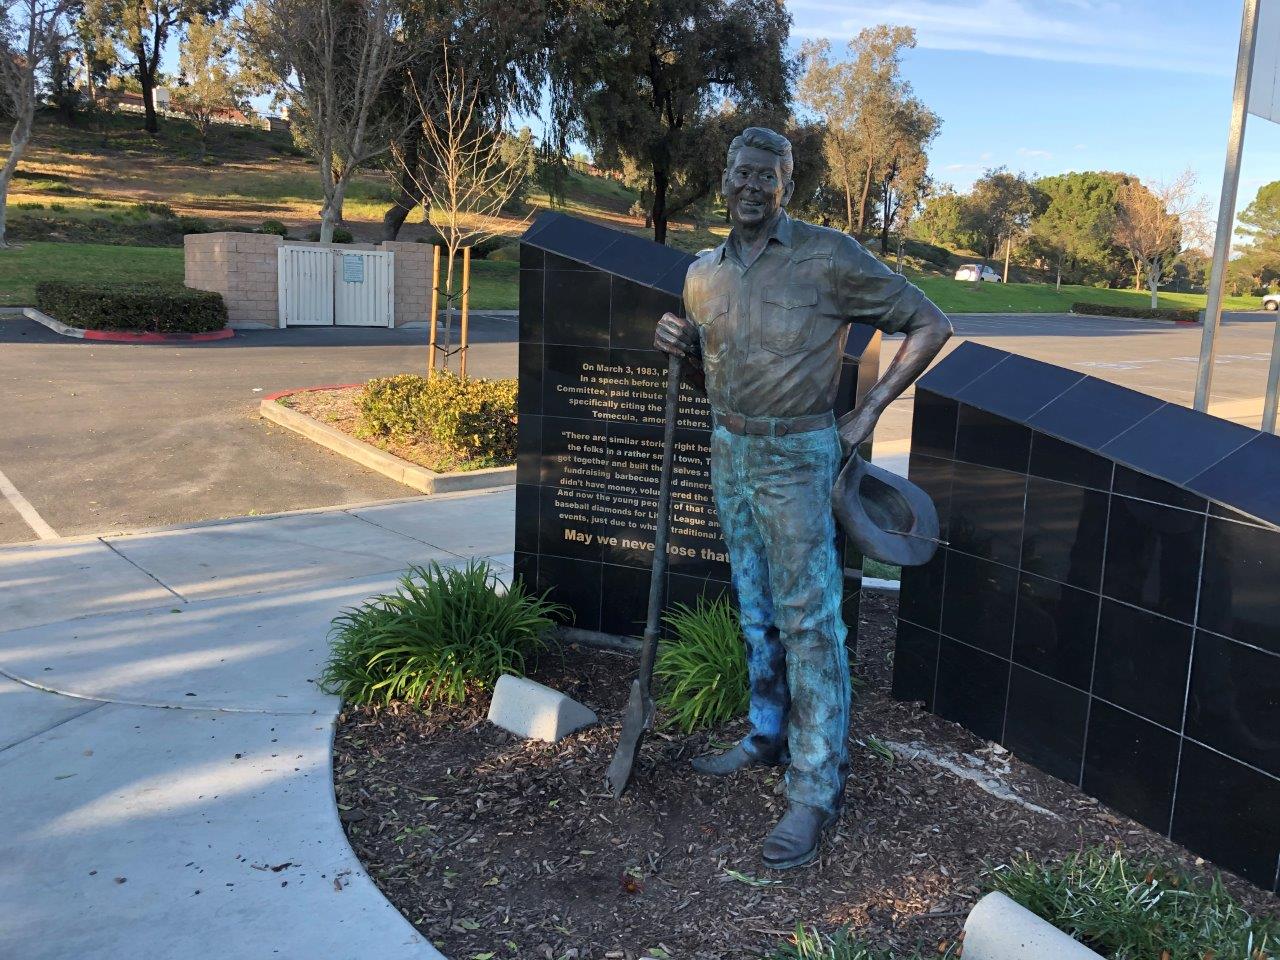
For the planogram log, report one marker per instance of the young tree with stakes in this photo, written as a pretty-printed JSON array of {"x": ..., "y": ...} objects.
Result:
[
  {"x": 469, "y": 168},
  {"x": 31, "y": 32}
]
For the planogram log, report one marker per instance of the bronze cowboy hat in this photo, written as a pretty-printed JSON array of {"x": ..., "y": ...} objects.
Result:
[{"x": 887, "y": 517}]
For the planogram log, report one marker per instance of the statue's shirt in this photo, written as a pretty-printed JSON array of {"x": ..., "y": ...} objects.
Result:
[{"x": 772, "y": 333}]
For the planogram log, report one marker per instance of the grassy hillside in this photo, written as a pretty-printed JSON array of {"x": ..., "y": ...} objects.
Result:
[{"x": 107, "y": 200}]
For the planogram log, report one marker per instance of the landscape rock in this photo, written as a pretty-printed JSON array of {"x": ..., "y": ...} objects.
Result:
[{"x": 536, "y": 712}]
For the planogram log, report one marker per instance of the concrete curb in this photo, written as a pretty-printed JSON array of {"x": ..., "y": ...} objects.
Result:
[
  {"x": 367, "y": 455},
  {"x": 999, "y": 928},
  {"x": 124, "y": 336}
]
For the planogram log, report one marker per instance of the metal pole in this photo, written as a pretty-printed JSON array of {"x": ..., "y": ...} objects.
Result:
[
  {"x": 466, "y": 315},
  {"x": 435, "y": 304},
  {"x": 1273, "y": 384},
  {"x": 1227, "y": 204}
]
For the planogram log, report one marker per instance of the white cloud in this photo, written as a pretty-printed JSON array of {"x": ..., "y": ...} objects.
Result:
[
  {"x": 1067, "y": 31},
  {"x": 1035, "y": 154}
]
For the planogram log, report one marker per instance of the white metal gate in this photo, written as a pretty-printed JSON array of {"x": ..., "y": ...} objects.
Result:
[
  {"x": 363, "y": 288},
  {"x": 304, "y": 276},
  {"x": 321, "y": 286}
]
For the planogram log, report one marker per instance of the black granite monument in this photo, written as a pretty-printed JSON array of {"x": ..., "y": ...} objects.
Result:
[
  {"x": 590, "y": 435},
  {"x": 1107, "y": 607}
]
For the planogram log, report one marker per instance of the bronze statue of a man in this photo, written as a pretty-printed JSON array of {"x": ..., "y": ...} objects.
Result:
[{"x": 767, "y": 320}]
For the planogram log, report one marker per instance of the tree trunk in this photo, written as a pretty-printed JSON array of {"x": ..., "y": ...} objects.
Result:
[
  {"x": 18, "y": 139},
  {"x": 660, "y": 204},
  {"x": 1153, "y": 282},
  {"x": 1057, "y": 285},
  {"x": 147, "y": 78},
  {"x": 331, "y": 215},
  {"x": 409, "y": 195},
  {"x": 1008, "y": 246},
  {"x": 848, "y": 205},
  {"x": 884, "y": 224},
  {"x": 862, "y": 203}
]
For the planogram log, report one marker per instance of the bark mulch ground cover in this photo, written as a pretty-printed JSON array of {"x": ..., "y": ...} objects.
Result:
[{"x": 494, "y": 847}]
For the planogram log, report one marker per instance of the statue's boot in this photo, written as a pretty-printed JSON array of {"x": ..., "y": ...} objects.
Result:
[
  {"x": 794, "y": 841},
  {"x": 732, "y": 760}
]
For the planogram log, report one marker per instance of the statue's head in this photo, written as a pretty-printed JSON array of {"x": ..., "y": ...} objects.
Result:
[{"x": 757, "y": 175}]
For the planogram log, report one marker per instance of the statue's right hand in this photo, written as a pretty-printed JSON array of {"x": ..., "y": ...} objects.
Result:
[{"x": 676, "y": 335}]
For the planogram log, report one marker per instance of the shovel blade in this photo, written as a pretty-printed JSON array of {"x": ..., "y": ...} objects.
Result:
[{"x": 636, "y": 719}]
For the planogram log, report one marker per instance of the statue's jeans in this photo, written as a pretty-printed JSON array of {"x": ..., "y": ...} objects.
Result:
[{"x": 773, "y": 495}]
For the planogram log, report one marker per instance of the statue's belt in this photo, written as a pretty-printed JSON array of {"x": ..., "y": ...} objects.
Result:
[{"x": 773, "y": 426}]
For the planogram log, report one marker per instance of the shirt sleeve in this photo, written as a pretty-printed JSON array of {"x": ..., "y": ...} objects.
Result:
[{"x": 869, "y": 292}]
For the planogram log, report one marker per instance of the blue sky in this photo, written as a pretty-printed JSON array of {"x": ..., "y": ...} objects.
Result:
[{"x": 1048, "y": 86}]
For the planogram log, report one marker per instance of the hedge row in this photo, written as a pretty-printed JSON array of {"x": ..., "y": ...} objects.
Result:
[
  {"x": 473, "y": 418},
  {"x": 149, "y": 309},
  {"x": 1140, "y": 313}
]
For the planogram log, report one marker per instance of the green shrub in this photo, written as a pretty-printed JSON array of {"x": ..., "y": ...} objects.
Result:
[
  {"x": 340, "y": 235},
  {"x": 1140, "y": 313},
  {"x": 507, "y": 253},
  {"x": 195, "y": 225},
  {"x": 844, "y": 945},
  {"x": 1138, "y": 910},
  {"x": 274, "y": 226},
  {"x": 474, "y": 419},
  {"x": 702, "y": 673},
  {"x": 443, "y": 635},
  {"x": 149, "y": 207},
  {"x": 29, "y": 206},
  {"x": 58, "y": 207},
  {"x": 151, "y": 308}
]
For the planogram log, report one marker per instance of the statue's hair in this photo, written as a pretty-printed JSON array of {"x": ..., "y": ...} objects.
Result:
[{"x": 764, "y": 139}]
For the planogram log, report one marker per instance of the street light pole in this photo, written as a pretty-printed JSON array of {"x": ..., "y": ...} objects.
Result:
[{"x": 1227, "y": 204}]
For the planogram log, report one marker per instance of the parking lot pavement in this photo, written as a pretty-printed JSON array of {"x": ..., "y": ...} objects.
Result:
[{"x": 101, "y": 438}]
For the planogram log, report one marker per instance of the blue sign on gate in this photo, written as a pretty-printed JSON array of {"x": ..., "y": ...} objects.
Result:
[{"x": 352, "y": 268}]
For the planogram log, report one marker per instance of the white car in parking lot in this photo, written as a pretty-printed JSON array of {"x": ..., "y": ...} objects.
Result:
[
  {"x": 1271, "y": 301},
  {"x": 972, "y": 272}
]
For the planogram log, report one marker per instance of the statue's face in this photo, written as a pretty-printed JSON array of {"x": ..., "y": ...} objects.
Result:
[{"x": 753, "y": 186}]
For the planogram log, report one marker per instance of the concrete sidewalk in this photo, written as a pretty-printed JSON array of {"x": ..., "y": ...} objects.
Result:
[{"x": 165, "y": 753}]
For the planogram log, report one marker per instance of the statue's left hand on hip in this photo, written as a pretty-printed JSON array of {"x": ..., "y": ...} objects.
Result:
[{"x": 855, "y": 427}]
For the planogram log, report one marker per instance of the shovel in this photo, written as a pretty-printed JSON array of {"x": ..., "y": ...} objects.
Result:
[{"x": 638, "y": 716}]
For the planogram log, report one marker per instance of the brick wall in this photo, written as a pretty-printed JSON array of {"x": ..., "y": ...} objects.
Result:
[{"x": 242, "y": 267}]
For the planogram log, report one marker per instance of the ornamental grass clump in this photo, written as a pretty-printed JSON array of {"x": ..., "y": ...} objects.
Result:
[
  {"x": 443, "y": 636},
  {"x": 702, "y": 672},
  {"x": 1138, "y": 910}
]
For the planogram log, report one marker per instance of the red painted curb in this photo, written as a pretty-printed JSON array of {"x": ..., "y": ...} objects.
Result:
[
  {"x": 287, "y": 393},
  {"x": 124, "y": 336}
]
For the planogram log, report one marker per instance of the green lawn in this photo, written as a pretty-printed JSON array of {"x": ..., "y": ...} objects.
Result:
[
  {"x": 958, "y": 296},
  {"x": 21, "y": 268}
]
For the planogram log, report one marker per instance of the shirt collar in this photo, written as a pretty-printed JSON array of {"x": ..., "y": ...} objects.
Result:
[{"x": 781, "y": 231}]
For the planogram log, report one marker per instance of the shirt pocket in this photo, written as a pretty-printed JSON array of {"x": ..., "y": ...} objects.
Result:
[
  {"x": 788, "y": 315},
  {"x": 713, "y": 328}
]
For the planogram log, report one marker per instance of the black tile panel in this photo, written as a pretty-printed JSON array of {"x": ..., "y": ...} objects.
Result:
[
  {"x": 1064, "y": 532},
  {"x": 915, "y": 659},
  {"x": 1131, "y": 483},
  {"x": 570, "y": 237},
  {"x": 1055, "y": 630},
  {"x": 1240, "y": 583},
  {"x": 529, "y": 368},
  {"x": 1045, "y": 723},
  {"x": 529, "y": 449},
  {"x": 1019, "y": 387},
  {"x": 1058, "y": 460},
  {"x": 933, "y": 424},
  {"x": 576, "y": 308},
  {"x": 531, "y": 282},
  {"x": 1248, "y": 479},
  {"x": 1142, "y": 662},
  {"x": 933, "y": 476},
  {"x": 984, "y": 516},
  {"x": 640, "y": 260},
  {"x": 1176, "y": 443},
  {"x": 528, "y": 504},
  {"x": 1094, "y": 412},
  {"x": 1153, "y": 557},
  {"x": 1229, "y": 814},
  {"x": 1130, "y": 764},
  {"x": 920, "y": 595},
  {"x": 978, "y": 603},
  {"x": 634, "y": 313},
  {"x": 968, "y": 361},
  {"x": 990, "y": 440},
  {"x": 574, "y": 583},
  {"x": 971, "y": 688},
  {"x": 1234, "y": 703}
]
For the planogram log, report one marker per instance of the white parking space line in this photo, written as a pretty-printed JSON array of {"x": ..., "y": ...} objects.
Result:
[{"x": 26, "y": 510}]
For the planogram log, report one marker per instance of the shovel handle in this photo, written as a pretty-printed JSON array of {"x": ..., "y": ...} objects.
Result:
[{"x": 658, "y": 574}]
